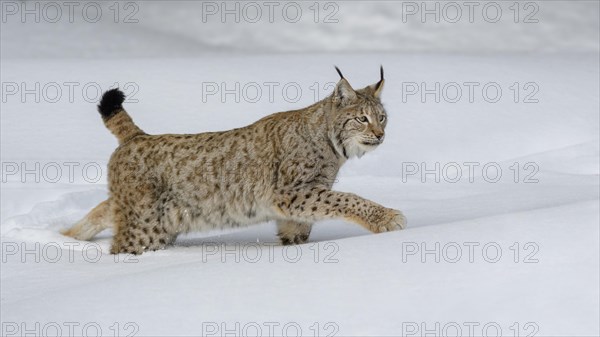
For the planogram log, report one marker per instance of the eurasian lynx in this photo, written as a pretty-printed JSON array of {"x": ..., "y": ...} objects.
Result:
[{"x": 280, "y": 168}]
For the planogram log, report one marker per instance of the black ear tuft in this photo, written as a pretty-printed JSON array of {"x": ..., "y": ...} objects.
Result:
[
  {"x": 111, "y": 103},
  {"x": 339, "y": 72},
  {"x": 378, "y": 85}
]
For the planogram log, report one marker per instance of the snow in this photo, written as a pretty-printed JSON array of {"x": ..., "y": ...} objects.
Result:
[{"x": 345, "y": 281}]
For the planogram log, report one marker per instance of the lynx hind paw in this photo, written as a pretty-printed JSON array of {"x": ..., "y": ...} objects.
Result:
[
  {"x": 397, "y": 223},
  {"x": 293, "y": 240}
]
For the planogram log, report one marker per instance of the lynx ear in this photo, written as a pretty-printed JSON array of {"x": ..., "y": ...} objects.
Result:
[
  {"x": 343, "y": 92},
  {"x": 378, "y": 87}
]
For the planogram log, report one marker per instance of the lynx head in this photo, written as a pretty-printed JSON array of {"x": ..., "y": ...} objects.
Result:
[{"x": 358, "y": 118}]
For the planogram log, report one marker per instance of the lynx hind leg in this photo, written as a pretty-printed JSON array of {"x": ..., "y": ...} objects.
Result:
[
  {"x": 136, "y": 235},
  {"x": 136, "y": 240},
  {"x": 293, "y": 232},
  {"x": 97, "y": 220}
]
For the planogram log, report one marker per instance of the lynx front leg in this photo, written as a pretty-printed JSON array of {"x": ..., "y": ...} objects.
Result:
[
  {"x": 293, "y": 232},
  {"x": 326, "y": 204}
]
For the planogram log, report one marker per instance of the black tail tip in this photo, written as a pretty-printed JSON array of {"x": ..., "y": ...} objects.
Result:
[{"x": 111, "y": 103}]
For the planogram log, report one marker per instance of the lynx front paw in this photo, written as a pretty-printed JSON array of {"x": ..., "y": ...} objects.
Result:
[{"x": 394, "y": 221}]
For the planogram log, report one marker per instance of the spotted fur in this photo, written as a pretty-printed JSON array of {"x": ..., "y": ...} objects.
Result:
[{"x": 280, "y": 168}]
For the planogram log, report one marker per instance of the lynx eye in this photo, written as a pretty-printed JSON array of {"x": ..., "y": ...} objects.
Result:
[
  {"x": 362, "y": 119},
  {"x": 382, "y": 118}
]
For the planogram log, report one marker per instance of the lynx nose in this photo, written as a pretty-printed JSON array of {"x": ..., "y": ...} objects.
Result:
[{"x": 379, "y": 136}]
